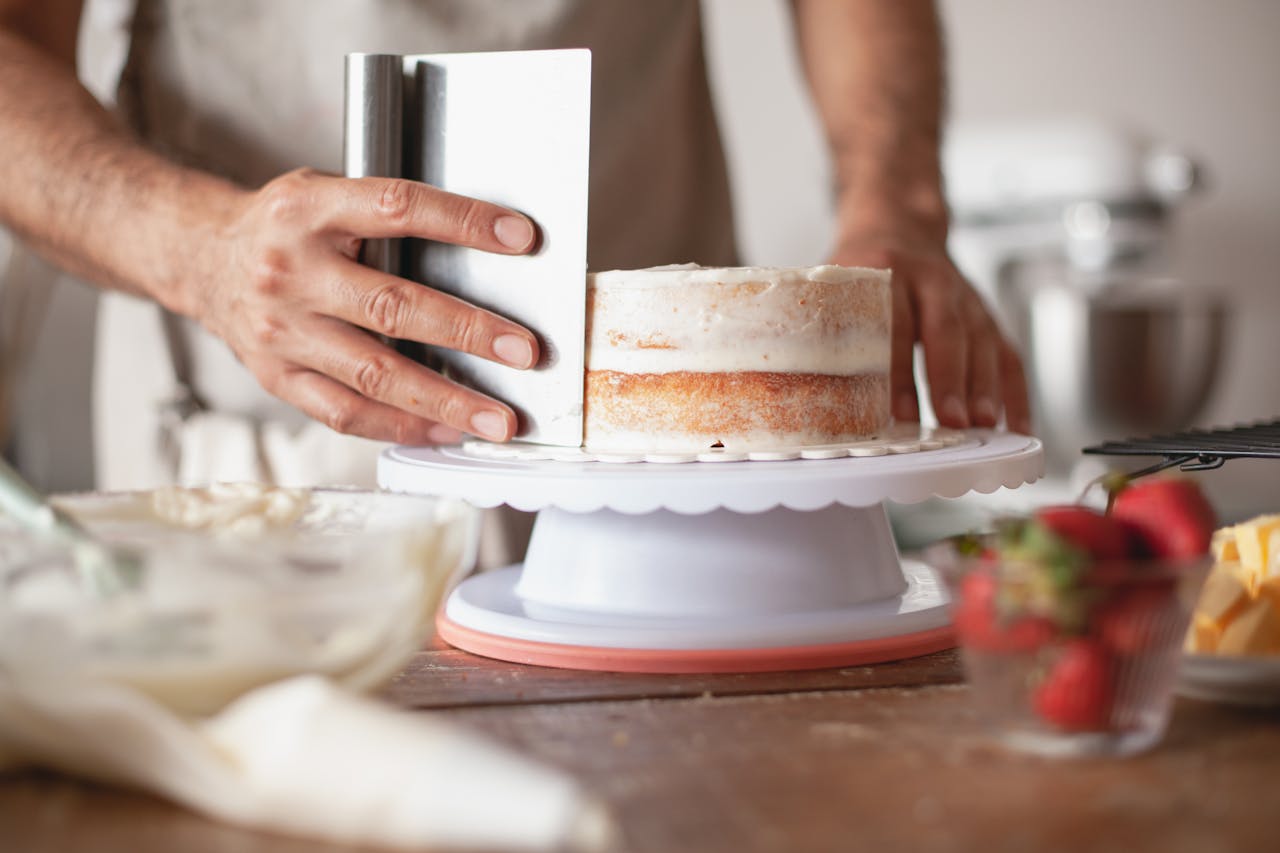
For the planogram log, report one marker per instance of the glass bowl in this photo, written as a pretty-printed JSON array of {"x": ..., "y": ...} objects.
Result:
[
  {"x": 236, "y": 588},
  {"x": 1065, "y": 662}
]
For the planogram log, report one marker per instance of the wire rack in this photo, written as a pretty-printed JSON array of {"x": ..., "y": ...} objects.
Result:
[{"x": 1199, "y": 449}]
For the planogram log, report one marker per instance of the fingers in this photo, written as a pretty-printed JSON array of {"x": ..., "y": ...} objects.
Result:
[
  {"x": 390, "y": 207},
  {"x": 972, "y": 369},
  {"x": 984, "y": 364},
  {"x": 293, "y": 303},
  {"x": 345, "y": 411},
  {"x": 990, "y": 375},
  {"x": 402, "y": 309},
  {"x": 379, "y": 374},
  {"x": 973, "y": 372},
  {"x": 943, "y": 333},
  {"x": 1017, "y": 406},
  {"x": 904, "y": 398}
]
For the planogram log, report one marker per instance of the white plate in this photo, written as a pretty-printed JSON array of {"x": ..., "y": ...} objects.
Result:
[{"x": 1237, "y": 680}]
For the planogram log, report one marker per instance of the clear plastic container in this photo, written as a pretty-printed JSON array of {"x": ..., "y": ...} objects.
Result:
[
  {"x": 1084, "y": 665},
  {"x": 347, "y": 588}
]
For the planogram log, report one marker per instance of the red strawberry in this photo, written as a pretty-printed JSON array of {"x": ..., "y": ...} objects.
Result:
[
  {"x": 1131, "y": 621},
  {"x": 1098, "y": 535},
  {"x": 1027, "y": 633},
  {"x": 1076, "y": 695},
  {"x": 978, "y": 625},
  {"x": 1169, "y": 515},
  {"x": 974, "y": 613}
]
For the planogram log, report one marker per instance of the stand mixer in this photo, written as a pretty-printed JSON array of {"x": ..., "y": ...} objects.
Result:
[{"x": 1065, "y": 227}]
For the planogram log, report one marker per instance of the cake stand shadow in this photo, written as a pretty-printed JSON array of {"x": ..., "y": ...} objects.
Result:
[{"x": 708, "y": 566}]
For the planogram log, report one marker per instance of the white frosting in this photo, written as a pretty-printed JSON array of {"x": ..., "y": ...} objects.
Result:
[
  {"x": 685, "y": 317},
  {"x": 247, "y": 509},
  {"x": 604, "y": 437},
  {"x": 242, "y": 584},
  {"x": 682, "y": 275},
  {"x": 865, "y": 355}
]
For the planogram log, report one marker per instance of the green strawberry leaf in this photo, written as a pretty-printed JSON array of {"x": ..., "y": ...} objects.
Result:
[{"x": 968, "y": 544}]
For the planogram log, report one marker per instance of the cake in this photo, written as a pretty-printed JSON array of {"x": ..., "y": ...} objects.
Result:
[{"x": 689, "y": 358}]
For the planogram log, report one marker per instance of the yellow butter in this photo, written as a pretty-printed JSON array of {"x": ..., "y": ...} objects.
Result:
[
  {"x": 1273, "y": 556},
  {"x": 1269, "y": 589},
  {"x": 1256, "y": 631},
  {"x": 1223, "y": 545},
  {"x": 1253, "y": 538},
  {"x": 1225, "y": 594},
  {"x": 1202, "y": 636}
]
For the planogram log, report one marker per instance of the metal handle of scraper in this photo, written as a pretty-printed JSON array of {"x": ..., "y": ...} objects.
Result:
[{"x": 373, "y": 147}]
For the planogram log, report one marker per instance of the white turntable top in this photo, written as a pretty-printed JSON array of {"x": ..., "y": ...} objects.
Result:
[{"x": 937, "y": 464}]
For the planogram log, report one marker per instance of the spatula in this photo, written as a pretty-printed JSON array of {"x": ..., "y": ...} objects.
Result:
[{"x": 103, "y": 569}]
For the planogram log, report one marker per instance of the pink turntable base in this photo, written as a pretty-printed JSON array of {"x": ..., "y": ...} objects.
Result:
[{"x": 694, "y": 660}]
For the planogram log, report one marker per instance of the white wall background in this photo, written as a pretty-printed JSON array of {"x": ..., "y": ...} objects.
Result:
[{"x": 1204, "y": 75}]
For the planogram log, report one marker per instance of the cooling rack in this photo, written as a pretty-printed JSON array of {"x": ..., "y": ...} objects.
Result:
[{"x": 1199, "y": 449}]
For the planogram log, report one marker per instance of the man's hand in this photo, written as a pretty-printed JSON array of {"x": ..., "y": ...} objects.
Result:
[
  {"x": 280, "y": 284},
  {"x": 875, "y": 69},
  {"x": 271, "y": 271},
  {"x": 972, "y": 369}
]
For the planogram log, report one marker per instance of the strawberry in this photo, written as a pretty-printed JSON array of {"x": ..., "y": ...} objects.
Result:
[
  {"x": 974, "y": 612},
  {"x": 1027, "y": 634},
  {"x": 1130, "y": 622},
  {"x": 1170, "y": 516},
  {"x": 1076, "y": 695},
  {"x": 1097, "y": 535},
  {"x": 979, "y": 626}
]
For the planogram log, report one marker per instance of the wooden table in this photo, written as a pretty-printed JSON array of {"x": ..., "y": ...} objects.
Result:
[{"x": 870, "y": 758}]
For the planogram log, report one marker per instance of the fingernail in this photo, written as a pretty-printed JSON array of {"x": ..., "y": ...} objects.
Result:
[
  {"x": 906, "y": 408},
  {"x": 985, "y": 411},
  {"x": 514, "y": 232},
  {"x": 953, "y": 412},
  {"x": 489, "y": 424},
  {"x": 514, "y": 350},
  {"x": 441, "y": 434}
]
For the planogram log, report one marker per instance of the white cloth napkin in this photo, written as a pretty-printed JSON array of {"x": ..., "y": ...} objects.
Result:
[
  {"x": 304, "y": 757},
  {"x": 186, "y": 686},
  {"x": 219, "y": 447}
]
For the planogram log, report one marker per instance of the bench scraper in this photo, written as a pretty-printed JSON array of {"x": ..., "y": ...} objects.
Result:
[{"x": 513, "y": 128}]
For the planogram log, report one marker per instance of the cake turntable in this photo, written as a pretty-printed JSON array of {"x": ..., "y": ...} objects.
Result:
[{"x": 715, "y": 564}]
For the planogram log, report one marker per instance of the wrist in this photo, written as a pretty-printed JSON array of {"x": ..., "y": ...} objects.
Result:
[
  {"x": 188, "y": 220},
  {"x": 900, "y": 220},
  {"x": 901, "y": 200}
]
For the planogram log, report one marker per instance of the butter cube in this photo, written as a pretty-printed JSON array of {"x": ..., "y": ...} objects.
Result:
[
  {"x": 1253, "y": 539},
  {"x": 1269, "y": 589},
  {"x": 1256, "y": 631},
  {"x": 1223, "y": 545},
  {"x": 1225, "y": 594},
  {"x": 1202, "y": 636},
  {"x": 1272, "y": 570}
]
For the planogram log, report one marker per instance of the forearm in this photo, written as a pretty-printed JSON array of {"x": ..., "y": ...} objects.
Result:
[
  {"x": 875, "y": 70},
  {"x": 81, "y": 191}
]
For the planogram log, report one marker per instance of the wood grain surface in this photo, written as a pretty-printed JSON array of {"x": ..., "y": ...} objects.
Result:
[{"x": 867, "y": 758}]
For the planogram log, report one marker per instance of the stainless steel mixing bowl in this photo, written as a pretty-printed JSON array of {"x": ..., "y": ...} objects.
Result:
[{"x": 1111, "y": 356}]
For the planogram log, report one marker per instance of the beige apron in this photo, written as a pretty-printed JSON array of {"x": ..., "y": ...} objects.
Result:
[{"x": 249, "y": 89}]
